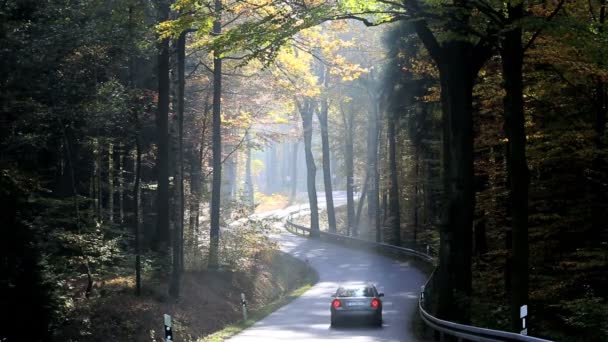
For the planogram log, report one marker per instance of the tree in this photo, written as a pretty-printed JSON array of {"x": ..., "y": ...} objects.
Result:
[
  {"x": 161, "y": 238},
  {"x": 306, "y": 109},
  {"x": 322, "y": 116},
  {"x": 217, "y": 144}
]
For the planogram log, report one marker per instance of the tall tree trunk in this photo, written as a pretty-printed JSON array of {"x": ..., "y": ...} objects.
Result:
[
  {"x": 217, "y": 145},
  {"x": 458, "y": 62},
  {"x": 121, "y": 184},
  {"x": 512, "y": 53},
  {"x": 249, "y": 195},
  {"x": 373, "y": 200},
  {"x": 599, "y": 200},
  {"x": 454, "y": 276},
  {"x": 162, "y": 236},
  {"x": 306, "y": 112},
  {"x": 416, "y": 188},
  {"x": 98, "y": 183},
  {"x": 178, "y": 236},
  {"x": 394, "y": 184},
  {"x": 294, "y": 172},
  {"x": 196, "y": 175},
  {"x": 360, "y": 205},
  {"x": 137, "y": 210},
  {"x": 111, "y": 183},
  {"x": 329, "y": 198},
  {"x": 76, "y": 203},
  {"x": 348, "y": 163}
]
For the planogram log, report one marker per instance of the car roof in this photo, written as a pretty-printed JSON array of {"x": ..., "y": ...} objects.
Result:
[{"x": 356, "y": 285}]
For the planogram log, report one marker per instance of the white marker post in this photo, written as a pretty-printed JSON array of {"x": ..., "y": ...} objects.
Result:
[
  {"x": 523, "y": 313},
  {"x": 244, "y": 305},
  {"x": 168, "y": 328}
]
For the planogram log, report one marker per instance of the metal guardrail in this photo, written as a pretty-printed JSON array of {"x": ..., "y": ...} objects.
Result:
[{"x": 461, "y": 332}]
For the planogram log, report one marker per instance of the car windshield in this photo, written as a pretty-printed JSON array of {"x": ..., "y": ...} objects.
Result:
[{"x": 365, "y": 291}]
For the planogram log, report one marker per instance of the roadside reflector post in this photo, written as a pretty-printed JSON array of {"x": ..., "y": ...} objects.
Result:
[
  {"x": 428, "y": 249},
  {"x": 244, "y": 305},
  {"x": 168, "y": 328},
  {"x": 422, "y": 294},
  {"x": 523, "y": 313}
]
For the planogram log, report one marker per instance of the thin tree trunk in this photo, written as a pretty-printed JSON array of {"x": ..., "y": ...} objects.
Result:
[
  {"x": 512, "y": 53},
  {"x": 217, "y": 146},
  {"x": 111, "y": 183},
  {"x": 348, "y": 162},
  {"x": 121, "y": 184},
  {"x": 249, "y": 195},
  {"x": 598, "y": 187},
  {"x": 294, "y": 172},
  {"x": 360, "y": 205},
  {"x": 137, "y": 210},
  {"x": 197, "y": 177},
  {"x": 394, "y": 184},
  {"x": 322, "y": 116},
  {"x": 306, "y": 112},
  {"x": 98, "y": 183},
  {"x": 162, "y": 236},
  {"x": 76, "y": 203},
  {"x": 373, "y": 205},
  {"x": 416, "y": 188}
]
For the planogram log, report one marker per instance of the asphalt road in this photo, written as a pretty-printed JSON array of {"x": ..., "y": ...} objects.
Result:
[{"x": 307, "y": 317}]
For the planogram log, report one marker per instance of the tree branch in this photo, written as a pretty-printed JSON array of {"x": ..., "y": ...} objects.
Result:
[
  {"x": 549, "y": 18},
  {"x": 428, "y": 39}
]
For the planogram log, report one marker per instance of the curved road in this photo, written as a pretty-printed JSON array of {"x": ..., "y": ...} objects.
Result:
[{"x": 307, "y": 317}]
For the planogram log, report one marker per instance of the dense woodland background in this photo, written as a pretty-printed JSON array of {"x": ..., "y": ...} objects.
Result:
[{"x": 477, "y": 128}]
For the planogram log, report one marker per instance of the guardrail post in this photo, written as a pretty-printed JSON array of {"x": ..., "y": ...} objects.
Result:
[
  {"x": 523, "y": 313},
  {"x": 244, "y": 305},
  {"x": 168, "y": 328}
]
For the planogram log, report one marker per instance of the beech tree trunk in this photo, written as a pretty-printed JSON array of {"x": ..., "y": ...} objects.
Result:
[
  {"x": 348, "y": 162},
  {"x": 512, "y": 53},
  {"x": 137, "y": 211},
  {"x": 599, "y": 199},
  {"x": 360, "y": 205},
  {"x": 394, "y": 184},
  {"x": 178, "y": 234},
  {"x": 111, "y": 183},
  {"x": 161, "y": 237},
  {"x": 329, "y": 198},
  {"x": 306, "y": 112},
  {"x": 121, "y": 184},
  {"x": 294, "y": 172},
  {"x": 249, "y": 195},
  {"x": 458, "y": 61},
  {"x": 373, "y": 197},
  {"x": 217, "y": 146}
]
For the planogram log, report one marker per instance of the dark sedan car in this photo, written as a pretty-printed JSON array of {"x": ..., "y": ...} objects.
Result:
[{"x": 357, "y": 301}]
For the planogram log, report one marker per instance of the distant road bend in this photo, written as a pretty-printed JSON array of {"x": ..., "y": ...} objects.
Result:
[{"x": 307, "y": 317}]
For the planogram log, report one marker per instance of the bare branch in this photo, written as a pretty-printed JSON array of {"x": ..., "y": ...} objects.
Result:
[{"x": 549, "y": 18}]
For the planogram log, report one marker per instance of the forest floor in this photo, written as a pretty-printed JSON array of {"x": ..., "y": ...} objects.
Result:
[
  {"x": 209, "y": 301},
  {"x": 209, "y": 307}
]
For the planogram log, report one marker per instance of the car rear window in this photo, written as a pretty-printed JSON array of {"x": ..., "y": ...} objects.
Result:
[{"x": 355, "y": 292}]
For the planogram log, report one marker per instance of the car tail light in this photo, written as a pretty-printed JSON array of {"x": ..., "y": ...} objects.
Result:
[
  {"x": 375, "y": 303},
  {"x": 336, "y": 303}
]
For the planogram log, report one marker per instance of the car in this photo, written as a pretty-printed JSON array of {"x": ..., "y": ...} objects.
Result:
[{"x": 356, "y": 301}]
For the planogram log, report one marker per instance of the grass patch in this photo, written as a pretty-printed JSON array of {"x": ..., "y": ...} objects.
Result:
[{"x": 310, "y": 279}]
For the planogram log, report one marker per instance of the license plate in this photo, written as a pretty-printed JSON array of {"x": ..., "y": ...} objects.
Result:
[{"x": 356, "y": 304}]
